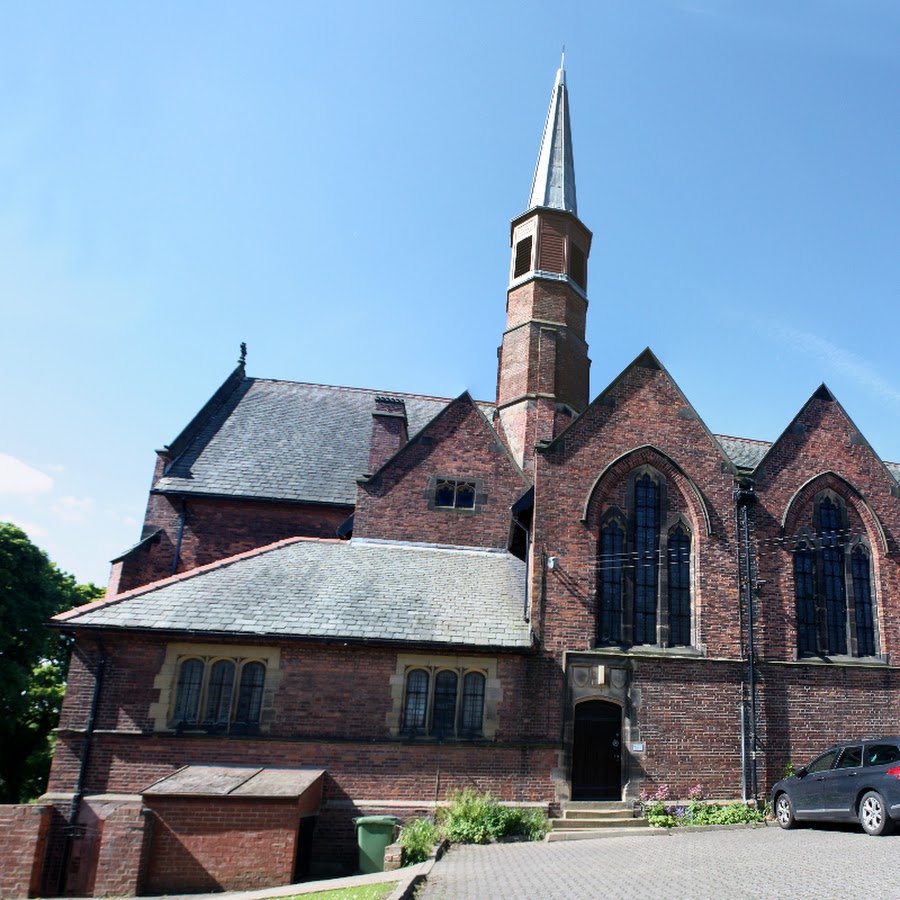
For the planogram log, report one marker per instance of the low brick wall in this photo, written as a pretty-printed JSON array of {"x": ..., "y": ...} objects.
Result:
[
  {"x": 23, "y": 844},
  {"x": 122, "y": 859}
]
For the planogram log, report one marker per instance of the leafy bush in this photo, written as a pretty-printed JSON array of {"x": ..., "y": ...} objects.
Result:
[
  {"x": 417, "y": 838},
  {"x": 471, "y": 818}
]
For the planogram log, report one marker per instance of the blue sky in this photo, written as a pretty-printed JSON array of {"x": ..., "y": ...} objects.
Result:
[{"x": 333, "y": 184}]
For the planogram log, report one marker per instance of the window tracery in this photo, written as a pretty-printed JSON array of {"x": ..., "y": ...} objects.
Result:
[{"x": 833, "y": 585}]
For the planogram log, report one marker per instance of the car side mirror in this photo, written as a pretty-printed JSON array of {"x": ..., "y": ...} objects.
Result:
[{"x": 801, "y": 772}]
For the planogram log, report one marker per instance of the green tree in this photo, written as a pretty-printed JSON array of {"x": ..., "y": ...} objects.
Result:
[{"x": 33, "y": 660}]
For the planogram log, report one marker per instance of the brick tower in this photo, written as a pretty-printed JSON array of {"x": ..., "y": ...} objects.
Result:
[{"x": 543, "y": 365}]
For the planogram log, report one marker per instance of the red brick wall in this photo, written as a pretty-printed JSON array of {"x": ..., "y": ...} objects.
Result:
[
  {"x": 123, "y": 856},
  {"x": 204, "y": 844},
  {"x": 821, "y": 441},
  {"x": 215, "y": 528},
  {"x": 23, "y": 845},
  {"x": 687, "y": 713},
  {"x": 319, "y": 686},
  {"x": 394, "y": 506},
  {"x": 642, "y": 408}
]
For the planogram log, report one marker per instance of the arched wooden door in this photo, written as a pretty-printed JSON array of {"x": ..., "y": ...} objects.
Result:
[{"x": 597, "y": 751}]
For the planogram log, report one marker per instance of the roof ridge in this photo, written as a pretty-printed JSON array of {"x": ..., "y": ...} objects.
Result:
[
  {"x": 426, "y": 545},
  {"x": 734, "y": 437},
  {"x": 364, "y": 390}
]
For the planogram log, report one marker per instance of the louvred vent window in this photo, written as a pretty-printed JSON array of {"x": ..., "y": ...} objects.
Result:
[
  {"x": 523, "y": 257},
  {"x": 577, "y": 266}
]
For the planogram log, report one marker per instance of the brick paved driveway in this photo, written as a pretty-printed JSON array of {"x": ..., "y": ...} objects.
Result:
[{"x": 755, "y": 863}]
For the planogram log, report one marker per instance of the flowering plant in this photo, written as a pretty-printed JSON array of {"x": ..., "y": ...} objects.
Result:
[{"x": 697, "y": 811}]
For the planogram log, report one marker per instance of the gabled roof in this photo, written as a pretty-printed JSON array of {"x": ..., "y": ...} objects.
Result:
[
  {"x": 554, "y": 175},
  {"x": 325, "y": 589},
  {"x": 823, "y": 394},
  {"x": 283, "y": 440},
  {"x": 481, "y": 410},
  {"x": 646, "y": 359}
]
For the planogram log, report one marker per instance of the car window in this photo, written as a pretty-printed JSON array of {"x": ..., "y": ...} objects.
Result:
[
  {"x": 823, "y": 762},
  {"x": 850, "y": 757},
  {"x": 880, "y": 754}
]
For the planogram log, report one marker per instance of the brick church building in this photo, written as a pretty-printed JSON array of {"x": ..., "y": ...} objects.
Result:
[{"x": 348, "y": 602}]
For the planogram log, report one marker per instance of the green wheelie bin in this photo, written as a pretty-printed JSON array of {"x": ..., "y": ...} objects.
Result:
[{"x": 373, "y": 834}]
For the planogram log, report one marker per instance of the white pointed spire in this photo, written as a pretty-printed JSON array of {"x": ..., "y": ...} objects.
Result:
[{"x": 554, "y": 175}]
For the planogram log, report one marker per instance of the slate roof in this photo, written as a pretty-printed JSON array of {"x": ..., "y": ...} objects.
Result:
[
  {"x": 356, "y": 590},
  {"x": 286, "y": 440},
  {"x": 745, "y": 453}
]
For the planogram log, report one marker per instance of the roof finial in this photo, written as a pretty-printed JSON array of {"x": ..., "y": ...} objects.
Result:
[
  {"x": 243, "y": 360},
  {"x": 562, "y": 62}
]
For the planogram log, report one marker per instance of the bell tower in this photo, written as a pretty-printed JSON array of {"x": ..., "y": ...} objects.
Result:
[{"x": 543, "y": 366}]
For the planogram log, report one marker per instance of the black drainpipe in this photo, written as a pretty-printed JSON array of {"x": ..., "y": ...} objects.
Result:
[
  {"x": 746, "y": 497},
  {"x": 77, "y": 797},
  {"x": 180, "y": 535}
]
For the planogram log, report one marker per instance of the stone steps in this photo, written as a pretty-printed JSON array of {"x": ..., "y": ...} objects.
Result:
[{"x": 586, "y": 817}]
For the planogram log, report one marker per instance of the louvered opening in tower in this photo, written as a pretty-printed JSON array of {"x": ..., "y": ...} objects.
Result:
[
  {"x": 523, "y": 257},
  {"x": 552, "y": 250},
  {"x": 577, "y": 266}
]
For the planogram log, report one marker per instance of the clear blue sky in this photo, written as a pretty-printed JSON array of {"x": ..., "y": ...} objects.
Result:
[{"x": 333, "y": 182}]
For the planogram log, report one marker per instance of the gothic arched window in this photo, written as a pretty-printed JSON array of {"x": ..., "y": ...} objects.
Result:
[
  {"x": 644, "y": 575},
  {"x": 833, "y": 586}
]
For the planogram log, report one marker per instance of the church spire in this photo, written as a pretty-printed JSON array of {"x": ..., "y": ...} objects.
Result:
[
  {"x": 554, "y": 174},
  {"x": 543, "y": 365}
]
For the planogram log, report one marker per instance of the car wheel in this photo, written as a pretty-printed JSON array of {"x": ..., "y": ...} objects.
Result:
[
  {"x": 873, "y": 814},
  {"x": 784, "y": 811}
]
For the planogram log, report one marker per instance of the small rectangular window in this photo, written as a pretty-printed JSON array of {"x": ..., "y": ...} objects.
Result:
[{"x": 452, "y": 493}]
